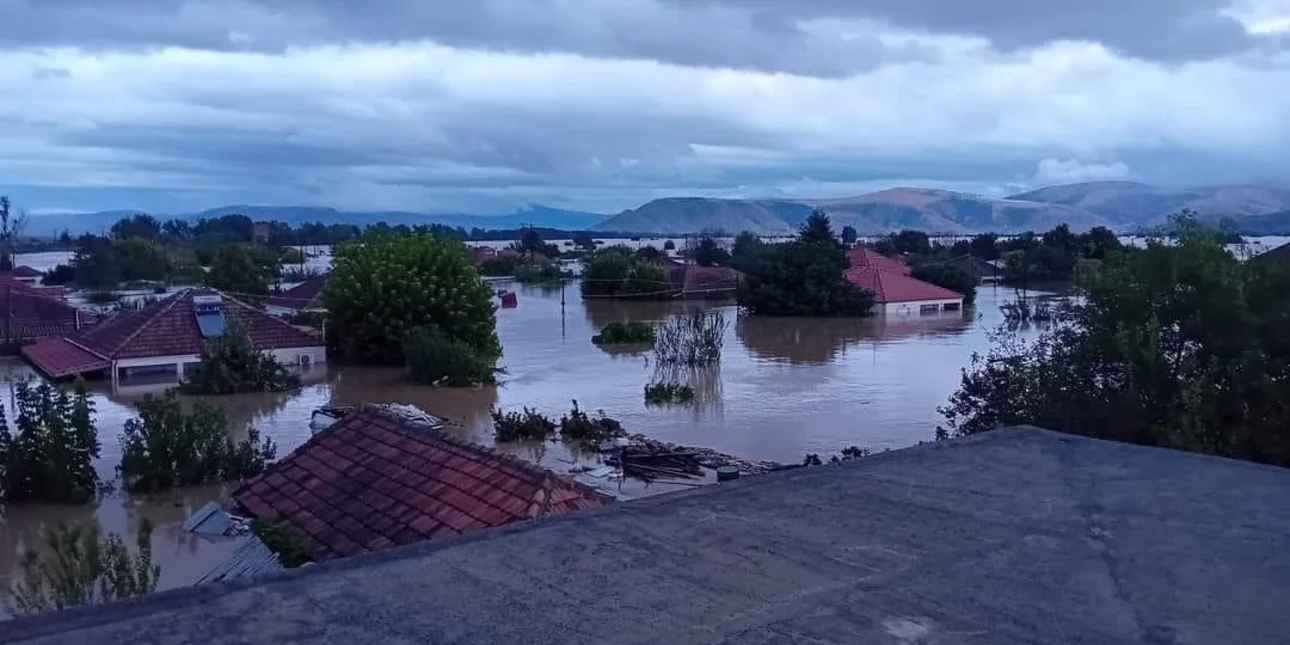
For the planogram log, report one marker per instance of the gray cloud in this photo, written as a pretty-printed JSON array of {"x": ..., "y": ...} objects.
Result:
[{"x": 825, "y": 38}]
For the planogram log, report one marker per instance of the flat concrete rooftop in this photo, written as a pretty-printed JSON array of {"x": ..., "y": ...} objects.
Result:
[{"x": 1018, "y": 536}]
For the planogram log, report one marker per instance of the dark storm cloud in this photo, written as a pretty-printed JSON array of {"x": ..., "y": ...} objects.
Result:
[{"x": 773, "y": 35}]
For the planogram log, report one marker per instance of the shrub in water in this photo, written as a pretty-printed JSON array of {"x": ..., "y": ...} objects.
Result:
[
  {"x": 664, "y": 393},
  {"x": 577, "y": 426},
  {"x": 78, "y": 567},
  {"x": 516, "y": 426},
  {"x": 164, "y": 447},
  {"x": 435, "y": 358},
  {"x": 51, "y": 457},
  {"x": 695, "y": 339},
  {"x": 624, "y": 334},
  {"x": 230, "y": 364}
]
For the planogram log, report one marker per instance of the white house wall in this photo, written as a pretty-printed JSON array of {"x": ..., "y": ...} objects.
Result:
[
  {"x": 291, "y": 356},
  {"x": 914, "y": 308},
  {"x": 288, "y": 356}
]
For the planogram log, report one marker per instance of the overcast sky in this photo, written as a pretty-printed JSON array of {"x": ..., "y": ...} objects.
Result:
[{"x": 486, "y": 105}]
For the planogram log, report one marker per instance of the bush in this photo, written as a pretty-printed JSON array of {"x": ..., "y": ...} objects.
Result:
[
  {"x": 164, "y": 448},
  {"x": 231, "y": 365},
  {"x": 291, "y": 255},
  {"x": 292, "y": 548},
  {"x": 631, "y": 333},
  {"x": 434, "y": 358},
  {"x": 664, "y": 393},
  {"x": 236, "y": 270},
  {"x": 617, "y": 272},
  {"x": 78, "y": 567},
  {"x": 382, "y": 287},
  {"x": 539, "y": 272},
  {"x": 669, "y": 245},
  {"x": 499, "y": 267},
  {"x": 577, "y": 427},
  {"x": 51, "y": 458},
  {"x": 526, "y": 426},
  {"x": 694, "y": 339},
  {"x": 59, "y": 275}
]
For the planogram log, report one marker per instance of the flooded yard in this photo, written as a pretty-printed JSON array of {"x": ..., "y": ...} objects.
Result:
[{"x": 784, "y": 388}]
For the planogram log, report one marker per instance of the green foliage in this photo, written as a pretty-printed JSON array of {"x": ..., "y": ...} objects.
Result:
[
  {"x": 616, "y": 271},
  {"x": 383, "y": 287},
  {"x": 531, "y": 243},
  {"x": 849, "y": 235},
  {"x": 499, "y": 267},
  {"x": 78, "y": 567},
  {"x": 165, "y": 448},
  {"x": 584, "y": 240},
  {"x": 435, "y": 358},
  {"x": 804, "y": 277},
  {"x": 630, "y": 333},
  {"x": 51, "y": 457},
  {"x": 694, "y": 339},
  {"x": 849, "y": 453},
  {"x": 230, "y": 364},
  {"x": 747, "y": 251},
  {"x": 664, "y": 393},
  {"x": 904, "y": 243},
  {"x": 1177, "y": 345},
  {"x": 650, "y": 253},
  {"x": 709, "y": 253},
  {"x": 526, "y": 426},
  {"x": 238, "y": 271},
  {"x": 291, "y": 255},
  {"x": 539, "y": 273},
  {"x": 137, "y": 226},
  {"x": 669, "y": 245},
  {"x": 985, "y": 246},
  {"x": 1055, "y": 256},
  {"x": 59, "y": 275},
  {"x": 578, "y": 427},
  {"x": 291, "y": 546},
  {"x": 105, "y": 263},
  {"x": 948, "y": 275}
]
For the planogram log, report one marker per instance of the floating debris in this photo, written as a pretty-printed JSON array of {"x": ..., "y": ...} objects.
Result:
[{"x": 650, "y": 459}]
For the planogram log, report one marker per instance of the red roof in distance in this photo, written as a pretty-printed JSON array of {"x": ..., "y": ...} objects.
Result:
[
  {"x": 373, "y": 481},
  {"x": 897, "y": 287},
  {"x": 870, "y": 258}
]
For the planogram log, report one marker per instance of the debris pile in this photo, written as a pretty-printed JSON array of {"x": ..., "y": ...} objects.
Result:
[{"x": 640, "y": 457}]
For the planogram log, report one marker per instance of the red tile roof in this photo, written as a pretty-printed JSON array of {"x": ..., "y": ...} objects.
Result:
[
  {"x": 169, "y": 328},
  {"x": 302, "y": 296},
  {"x": 57, "y": 358},
  {"x": 875, "y": 260},
  {"x": 897, "y": 287},
  {"x": 27, "y": 314},
  {"x": 373, "y": 481}
]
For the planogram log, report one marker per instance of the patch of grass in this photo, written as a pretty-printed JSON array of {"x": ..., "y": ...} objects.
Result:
[
  {"x": 631, "y": 333},
  {"x": 665, "y": 393}
]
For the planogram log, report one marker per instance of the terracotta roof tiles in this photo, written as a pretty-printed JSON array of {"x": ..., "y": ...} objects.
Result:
[
  {"x": 897, "y": 287},
  {"x": 370, "y": 482}
]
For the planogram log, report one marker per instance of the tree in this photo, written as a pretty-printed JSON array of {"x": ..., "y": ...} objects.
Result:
[
  {"x": 618, "y": 272},
  {"x": 1177, "y": 345},
  {"x": 51, "y": 459},
  {"x": 137, "y": 226},
  {"x": 584, "y": 240},
  {"x": 985, "y": 246},
  {"x": 669, "y": 245},
  {"x": 380, "y": 288},
  {"x": 230, "y": 364},
  {"x": 434, "y": 358},
  {"x": 235, "y": 270},
  {"x": 164, "y": 448},
  {"x": 78, "y": 567},
  {"x": 12, "y": 223},
  {"x": 905, "y": 242},
  {"x": 709, "y": 253},
  {"x": 849, "y": 235},
  {"x": 649, "y": 253},
  {"x": 531, "y": 243},
  {"x": 804, "y": 277},
  {"x": 746, "y": 251},
  {"x": 948, "y": 275},
  {"x": 177, "y": 229}
]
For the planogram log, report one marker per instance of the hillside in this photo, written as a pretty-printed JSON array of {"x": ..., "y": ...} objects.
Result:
[
  {"x": 697, "y": 214},
  {"x": 1133, "y": 205},
  {"x": 1269, "y": 224}
]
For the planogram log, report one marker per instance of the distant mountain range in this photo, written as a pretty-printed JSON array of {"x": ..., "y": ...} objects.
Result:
[
  {"x": 1122, "y": 206},
  {"x": 535, "y": 214},
  {"x": 1119, "y": 205}
]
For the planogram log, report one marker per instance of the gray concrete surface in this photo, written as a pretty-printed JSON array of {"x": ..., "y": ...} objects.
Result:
[{"x": 1021, "y": 536}]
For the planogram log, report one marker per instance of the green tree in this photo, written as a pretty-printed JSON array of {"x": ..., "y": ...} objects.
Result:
[
  {"x": 235, "y": 270},
  {"x": 165, "y": 448},
  {"x": 230, "y": 364},
  {"x": 985, "y": 246},
  {"x": 746, "y": 251},
  {"x": 584, "y": 240},
  {"x": 849, "y": 235},
  {"x": 137, "y": 226},
  {"x": 51, "y": 458},
  {"x": 380, "y": 288},
  {"x": 617, "y": 272},
  {"x": 709, "y": 253},
  {"x": 669, "y": 245},
  {"x": 78, "y": 567},
  {"x": 948, "y": 275},
  {"x": 804, "y": 277},
  {"x": 435, "y": 358},
  {"x": 1178, "y": 345}
]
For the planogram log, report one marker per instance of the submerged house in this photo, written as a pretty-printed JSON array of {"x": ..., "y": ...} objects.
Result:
[
  {"x": 377, "y": 479},
  {"x": 28, "y": 315},
  {"x": 166, "y": 337},
  {"x": 691, "y": 281},
  {"x": 306, "y": 296},
  {"x": 895, "y": 292}
]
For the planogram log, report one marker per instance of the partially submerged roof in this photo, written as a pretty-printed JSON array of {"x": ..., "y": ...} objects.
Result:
[
  {"x": 306, "y": 295},
  {"x": 869, "y": 258},
  {"x": 250, "y": 559},
  {"x": 170, "y": 327},
  {"x": 27, "y": 313},
  {"x": 59, "y": 358},
  {"x": 1015, "y": 536},
  {"x": 375, "y": 480},
  {"x": 896, "y": 287}
]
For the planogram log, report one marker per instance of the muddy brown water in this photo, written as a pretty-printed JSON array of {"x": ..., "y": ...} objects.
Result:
[{"x": 784, "y": 388}]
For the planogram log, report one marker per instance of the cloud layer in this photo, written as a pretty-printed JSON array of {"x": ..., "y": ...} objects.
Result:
[{"x": 603, "y": 104}]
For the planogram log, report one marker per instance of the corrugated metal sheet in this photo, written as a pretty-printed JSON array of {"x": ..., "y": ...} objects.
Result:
[
  {"x": 210, "y": 519},
  {"x": 252, "y": 558}
]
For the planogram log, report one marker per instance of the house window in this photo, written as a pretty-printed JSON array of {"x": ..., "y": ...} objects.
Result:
[
  {"x": 928, "y": 310},
  {"x": 951, "y": 306}
]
